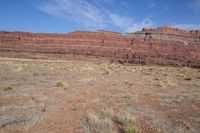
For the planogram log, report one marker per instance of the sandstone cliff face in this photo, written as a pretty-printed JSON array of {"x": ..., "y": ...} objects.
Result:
[
  {"x": 163, "y": 46},
  {"x": 169, "y": 43}
]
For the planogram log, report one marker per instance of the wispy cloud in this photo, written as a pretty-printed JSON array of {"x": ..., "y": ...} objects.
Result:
[
  {"x": 108, "y": 1},
  {"x": 167, "y": 8},
  {"x": 152, "y": 5},
  {"x": 145, "y": 23},
  {"x": 123, "y": 3},
  {"x": 92, "y": 14},
  {"x": 79, "y": 11},
  {"x": 128, "y": 25},
  {"x": 120, "y": 21},
  {"x": 195, "y": 4},
  {"x": 188, "y": 26}
]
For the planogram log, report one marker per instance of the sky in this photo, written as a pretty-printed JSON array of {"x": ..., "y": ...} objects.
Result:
[{"x": 63, "y": 16}]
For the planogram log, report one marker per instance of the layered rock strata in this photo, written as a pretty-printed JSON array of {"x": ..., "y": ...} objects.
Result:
[{"x": 162, "y": 46}]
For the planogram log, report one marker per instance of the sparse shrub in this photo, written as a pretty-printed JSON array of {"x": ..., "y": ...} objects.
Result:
[
  {"x": 43, "y": 110},
  {"x": 157, "y": 72},
  {"x": 59, "y": 84},
  {"x": 188, "y": 78},
  {"x": 150, "y": 69},
  {"x": 156, "y": 79},
  {"x": 126, "y": 97},
  {"x": 128, "y": 83},
  {"x": 97, "y": 124},
  {"x": 114, "y": 84},
  {"x": 111, "y": 61},
  {"x": 121, "y": 61},
  {"x": 74, "y": 109},
  {"x": 66, "y": 89},
  {"x": 106, "y": 72},
  {"x": 198, "y": 77},
  {"x": 33, "y": 98},
  {"x": 165, "y": 74},
  {"x": 35, "y": 74},
  {"x": 106, "y": 113},
  {"x": 126, "y": 124},
  {"x": 8, "y": 88},
  {"x": 2, "y": 126},
  {"x": 104, "y": 122}
]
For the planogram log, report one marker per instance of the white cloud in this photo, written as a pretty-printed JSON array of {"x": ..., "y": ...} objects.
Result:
[
  {"x": 188, "y": 26},
  {"x": 91, "y": 15}
]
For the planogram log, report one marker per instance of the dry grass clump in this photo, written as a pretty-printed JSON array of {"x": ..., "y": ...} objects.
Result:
[
  {"x": 96, "y": 124},
  {"x": 106, "y": 122},
  {"x": 187, "y": 78},
  {"x": 66, "y": 89},
  {"x": 43, "y": 110},
  {"x": 35, "y": 74},
  {"x": 150, "y": 69},
  {"x": 12, "y": 120},
  {"x": 125, "y": 124},
  {"x": 60, "y": 84},
  {"x": 106, "y": 72},
  {"x": 99, "y": 123},
  {"x": 128, "y": 83},
  {"x": 33, "y": 98},
  {"x": 7, "y": 88}
]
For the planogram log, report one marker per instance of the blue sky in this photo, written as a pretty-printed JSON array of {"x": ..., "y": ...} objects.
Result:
[{"x": 63, "y": 16}]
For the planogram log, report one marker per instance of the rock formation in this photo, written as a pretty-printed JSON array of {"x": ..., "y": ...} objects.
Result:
[{"x": 164, "y": 45}]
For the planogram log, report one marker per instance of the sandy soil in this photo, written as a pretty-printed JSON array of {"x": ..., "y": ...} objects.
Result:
[{"x": 56, "y": 96}]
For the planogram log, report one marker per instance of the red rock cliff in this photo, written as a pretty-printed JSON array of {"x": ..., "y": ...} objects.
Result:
[{"x": 164, "y": 45}]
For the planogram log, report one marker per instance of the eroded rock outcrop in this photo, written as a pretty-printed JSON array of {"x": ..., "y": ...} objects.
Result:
[{"x": 163, "y": 46}]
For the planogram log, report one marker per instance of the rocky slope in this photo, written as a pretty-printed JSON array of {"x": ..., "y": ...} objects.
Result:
[{"x": 162, "y": 46}]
